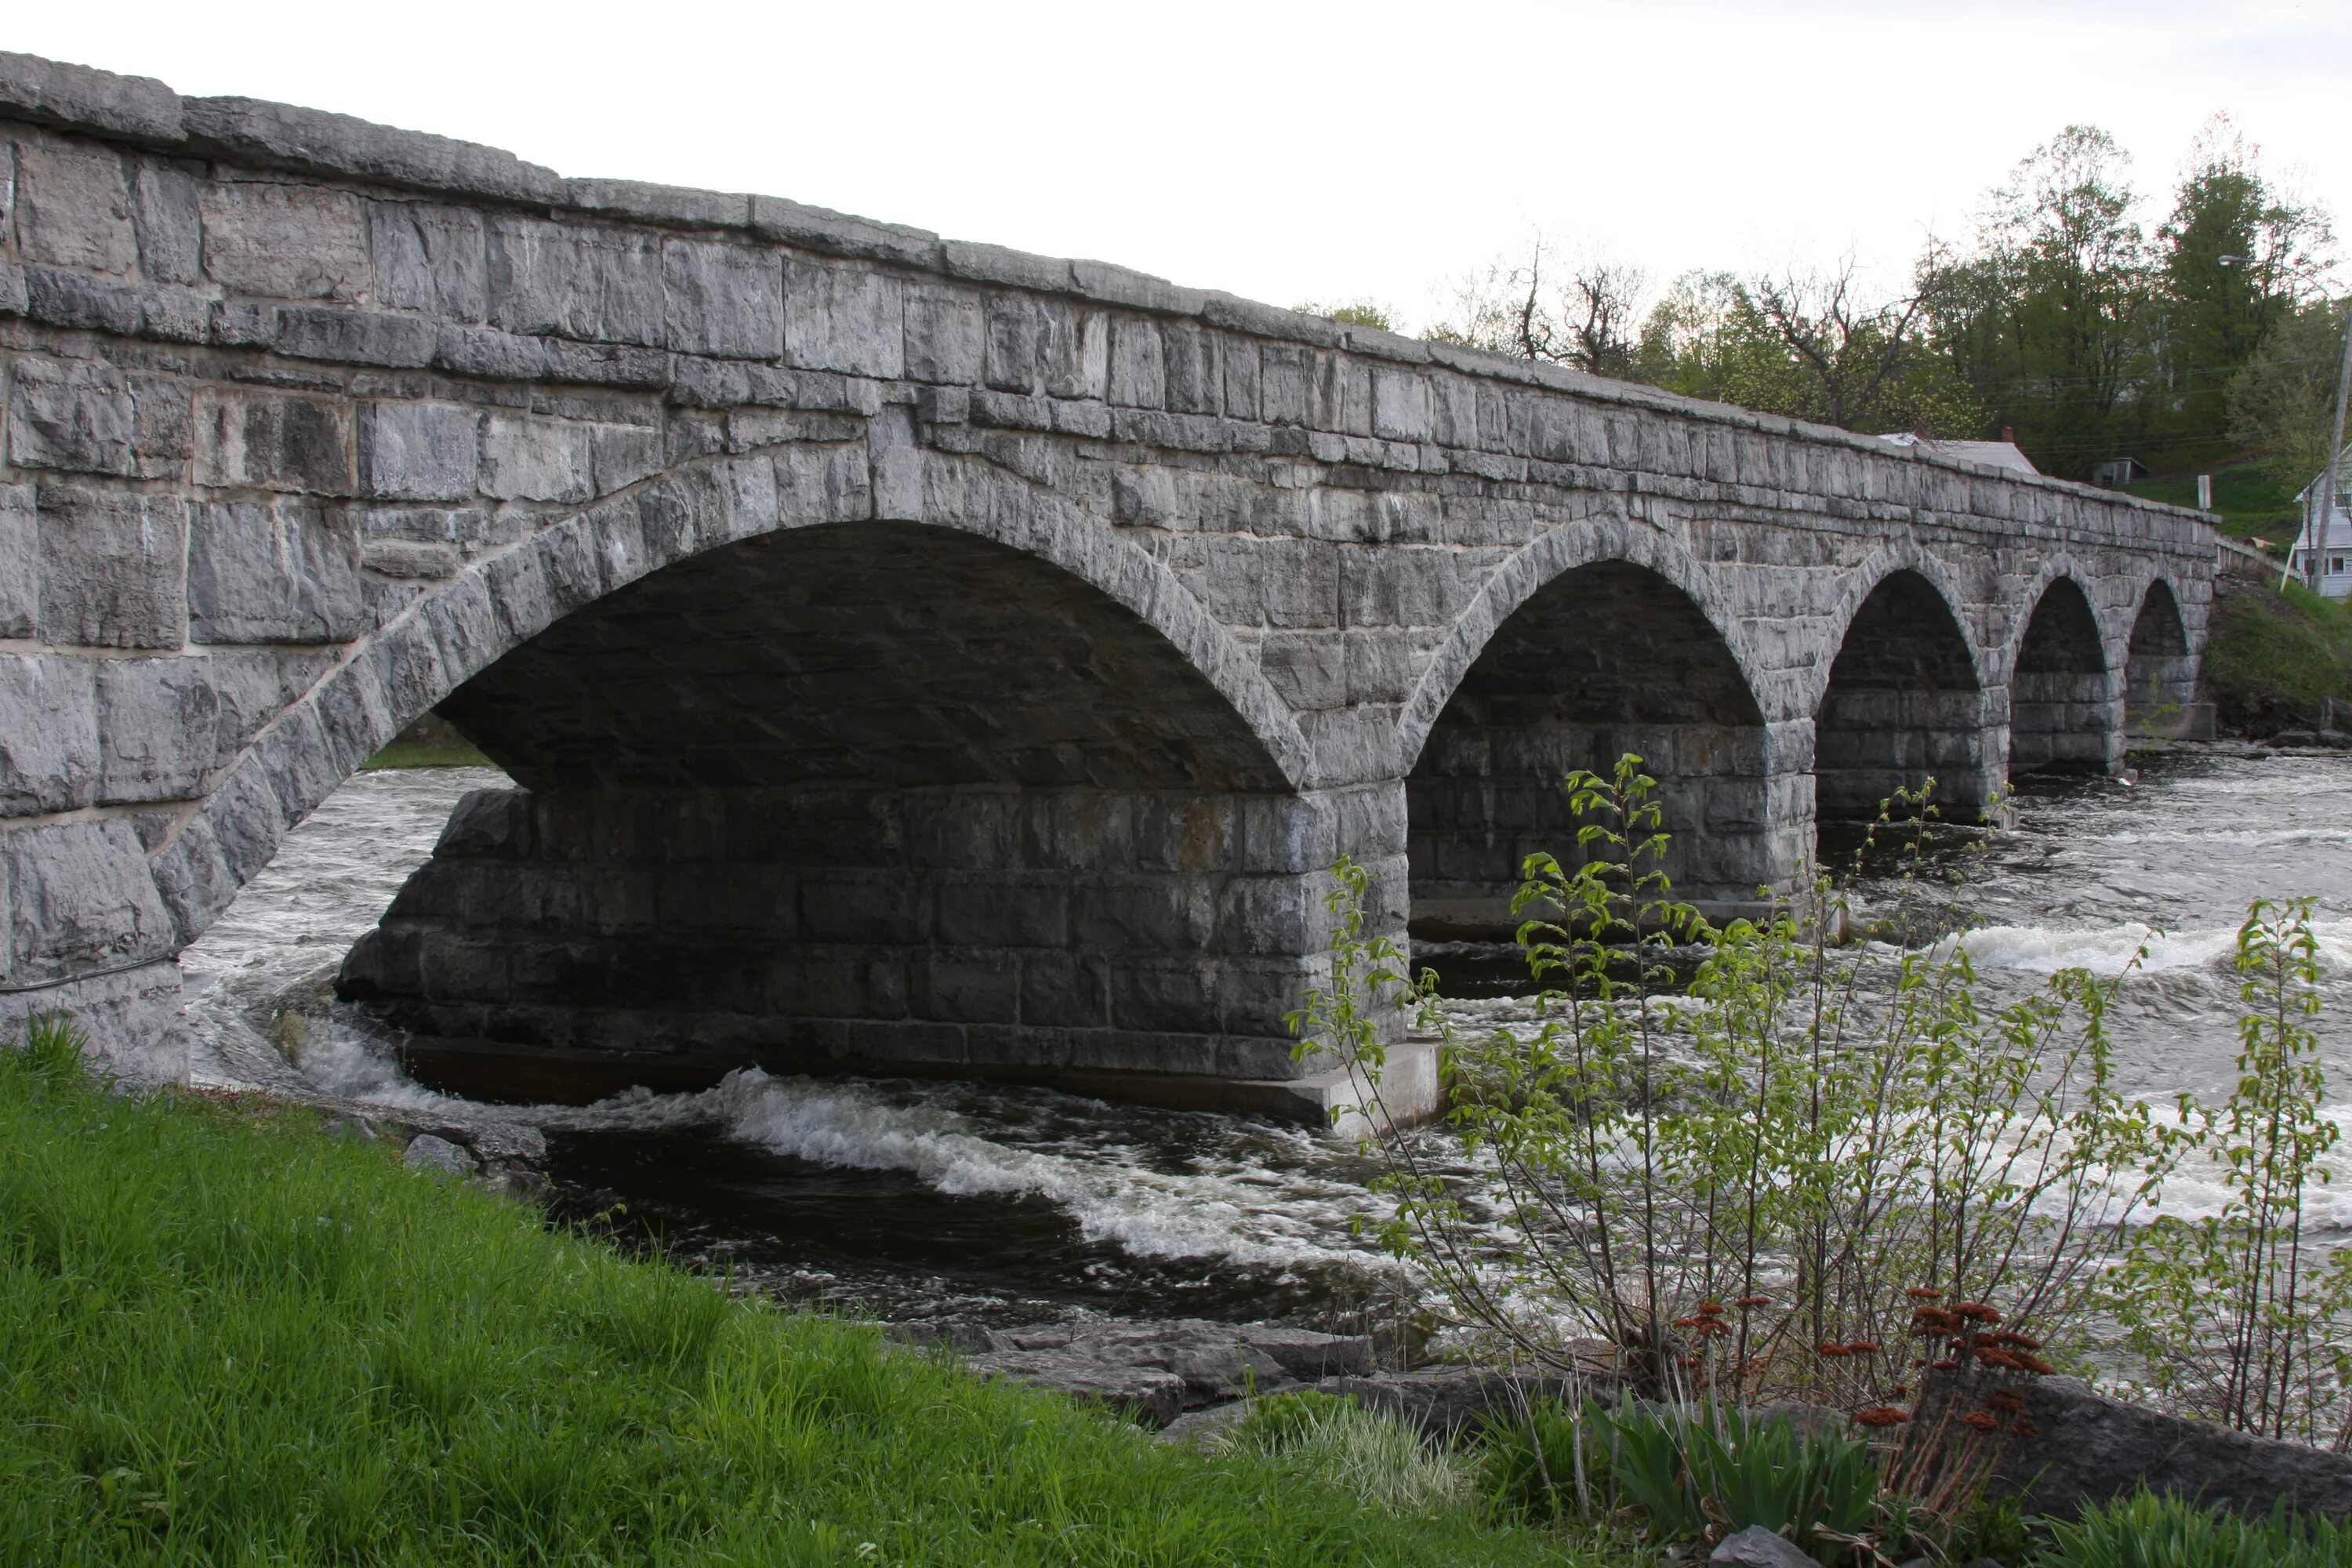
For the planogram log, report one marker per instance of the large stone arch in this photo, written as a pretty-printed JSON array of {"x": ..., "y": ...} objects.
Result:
[
  {"x": 2064, "y": 711},
  {"x": 1904, "y": 696},
  {"x": 1592, "y": 649}
]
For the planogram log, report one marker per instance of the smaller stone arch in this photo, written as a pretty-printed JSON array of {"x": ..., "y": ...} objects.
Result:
[
  {"x": 1904, "y": 703},
  {"x": 2160, "y": 670},
  {"x": 1607, "y": 658},
  {"x": 2063, "y": 716}
]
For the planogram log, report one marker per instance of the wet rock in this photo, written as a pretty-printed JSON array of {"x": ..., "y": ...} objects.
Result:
[
  {"x": 2290, "y": 738},
  {"x": 1757, "y": 1547},
  {"x": 428, "y": 1152},
  {"x": 1205, "y": 1428},
  {"x": 520, "y": 1183},
  {"x": 348, "y": 1130},
  {"x": 1157, "y": 1371}
]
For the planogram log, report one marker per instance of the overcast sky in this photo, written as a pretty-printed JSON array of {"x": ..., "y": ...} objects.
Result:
[{"x": 1294, "y": 151}]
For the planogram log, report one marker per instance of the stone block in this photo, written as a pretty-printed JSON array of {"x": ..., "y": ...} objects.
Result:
[
  {"x": 1065, "y": 989},
  {"x": 1401, "y": 410},
  {"x": 567, "y": 280},
  {"x": 1193, "y": 360},
  {"x": 271, "y": 441},
  {"x": 48, "y": 733},
  {"x": 53, "y": 92},
  {"x": 283, "y": 241},
  {"x": 354, "y": 337},
  {"x": 20, "y": 550},
  {"x": 73, "y": 205},
  {"x": 164, "y": 214},
  {"x": 158, "y": 722},
  {"x": 87, "y": 416},
  {"x": 844, "y": 317},
  {"x": 724, "y": 299},
  {"x": 525, "y": 457},
  {"x": 430, "y": 258},
  {"x": 621, "y": 455},
  {"x": 287, "y": 572},
  {"x": 113, "y": 568},
  {"x": 823, "y": 484},
  {"x": 1138, "y": 365},
  {"x": 418, "y": 451},
  {"x": 947, "y": 335},
  {"x": 82, "y": 898},
  {"x": 1074, "y": 352},
  {"x": 964, "y": 988}
]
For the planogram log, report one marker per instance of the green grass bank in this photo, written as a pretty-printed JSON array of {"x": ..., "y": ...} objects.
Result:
[
  {"x": 2272, "y": 656},
  {"x": 227, "y": 1340}
]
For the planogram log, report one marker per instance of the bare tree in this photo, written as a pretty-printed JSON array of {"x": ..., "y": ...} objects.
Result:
[{"x": 1583, "y": 314}]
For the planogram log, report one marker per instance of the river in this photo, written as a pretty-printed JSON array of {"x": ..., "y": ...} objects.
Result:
[{"x": 963, "y": 1204}]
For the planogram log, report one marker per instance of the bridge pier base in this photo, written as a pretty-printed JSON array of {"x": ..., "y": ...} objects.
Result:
[{"x": 1140, "y": 945}]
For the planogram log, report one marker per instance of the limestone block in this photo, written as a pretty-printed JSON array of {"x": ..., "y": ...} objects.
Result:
[
  {"x": 947, "y": 335},
  {"x": 970, "y": 987},
  {"x": 8, "y": 202},
  {"x": 73, "y": 205},
  {"x": 823, "y": 484},
  {"x": 87, "y": 416},
  {"x": 158, "y": 720},
  {"x": 418, "y": 451},
  {"x": 430, "y": 258},
  {"x": 285, "y": 241},
  {"x": 20, "y": 546},
  {"x": 1193, "y": 362},
  {"x": 132, "y": 1019},
  {"x": 354, "y": 337},
  {"x": 1401, "y": 405},
  {"x": 723, "y": 300},
  {"x": 1138, "y": 365},
  {"x": 621, "y": 455},
  {"x": 1065, "y": 989},
  {"x": 525, "y": 457},
  {"x": 165, "y": 215},
  {"x": 284, "y": 135},
  {"x": 844, "y": 317},
  {"x": 269, "y": 441},
  {"x": 568, "y": 281},
  {"x": 112, "y": 567},
  {"x": 81, "y": 899},
  {"x": 1240, "y": 358},
  {"x": 283, "y": 572},
  {"x": 53, "y": 92},
  {"x": 48, "y": 733}
]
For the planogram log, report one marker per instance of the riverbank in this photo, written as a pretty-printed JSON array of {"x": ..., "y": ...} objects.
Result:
[
  {"x": 2272, "y": 657},
  {"x": 228, "y": 1338}
]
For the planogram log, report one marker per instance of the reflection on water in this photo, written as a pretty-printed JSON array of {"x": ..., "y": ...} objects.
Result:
[{"x": 984, "y": 1203}]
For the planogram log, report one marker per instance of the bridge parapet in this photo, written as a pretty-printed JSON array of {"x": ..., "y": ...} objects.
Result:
[{"x": 313, "y": 424}]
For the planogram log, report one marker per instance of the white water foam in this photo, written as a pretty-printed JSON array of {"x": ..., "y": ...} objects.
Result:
[{"x": 2108, "y": 951}]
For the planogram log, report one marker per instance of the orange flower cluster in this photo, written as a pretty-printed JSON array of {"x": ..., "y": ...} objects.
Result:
[{"x": 1882, "y": 1415}]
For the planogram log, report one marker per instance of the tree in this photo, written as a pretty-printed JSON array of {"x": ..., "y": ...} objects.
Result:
[
  {"x": 1805, "y": 345},
  {"x": 1354, "y": 314},
  {"x": 2282, "y": 403},
  {"x": 2238, "y": 259},
  {"x": 1578, "y": 314}
]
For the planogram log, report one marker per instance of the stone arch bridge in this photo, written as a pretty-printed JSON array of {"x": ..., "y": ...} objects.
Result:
[{"x": 910, "y": 655}]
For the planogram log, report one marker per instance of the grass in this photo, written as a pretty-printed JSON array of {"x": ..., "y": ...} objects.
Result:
[
  {"x": 2249, "y": 502},
  {"x": 431, "y": 742},
  {"x": 2149, "y": 1531},
  {"x": 2270, "y": 657},
  {"x": 225, "y": 1340}
]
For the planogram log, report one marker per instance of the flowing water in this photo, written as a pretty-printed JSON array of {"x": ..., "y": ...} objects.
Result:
[{"x": 968, "y": 1204}]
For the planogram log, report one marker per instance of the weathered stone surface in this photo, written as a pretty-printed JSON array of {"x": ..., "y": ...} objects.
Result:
[
  {"x": 48, "y": 733},
  {"x": 89, "y": 417},
  {"x": 20, "y": 549},
  {"x": 846, "y": 319},
  {"x": 113, "y": 567},
  {"x": 158, "y": 729},
  {"x": 1156, "y": 1370},
  {"x": 418, "y": 451},
  {"x": 428, "y": 1152},
  {"x": 529, "y": 458},
  {"x": 723, "y": 300},
  {"x": 73, "y": 205},
  {"x": 54, "y": 92},
  {"x": 80, "y": 900},
  {"x": 2088, "y": 1449},
  {"x": 1757, "y": 1547},
  {"x": 273, "y": 442},
  {"x": 168, "y": 218},
  {"x": 131, "y": 1018},
  {"x": 430, "y": 258},
  {"x": 284, "y": 241},
  {"x": 273, "y": 572},
  {"x": 337, "y": 143},
  {"x": 567, "y": 281}
]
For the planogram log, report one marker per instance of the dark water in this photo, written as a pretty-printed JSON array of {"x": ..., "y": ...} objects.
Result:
[{"x": 970, "y": 1202}]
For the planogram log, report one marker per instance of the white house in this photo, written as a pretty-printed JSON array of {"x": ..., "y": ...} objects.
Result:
[{"x": 2334, "y": 541}]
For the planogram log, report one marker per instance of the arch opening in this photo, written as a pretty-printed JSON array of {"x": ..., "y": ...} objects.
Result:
[
  {"x": 1606, "y": 658},
  {"x": 1903, "y": 705},
  {"x": 864, "y": 796},
  {"x": 2159, "y": 675},
  {"x": 2062, "y": 707}
]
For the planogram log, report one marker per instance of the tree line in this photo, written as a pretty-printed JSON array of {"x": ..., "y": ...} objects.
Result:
[{"x": 2064, "y": 317}]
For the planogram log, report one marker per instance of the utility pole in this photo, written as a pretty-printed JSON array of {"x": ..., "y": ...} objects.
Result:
[{"x": 2316, "y": 565}]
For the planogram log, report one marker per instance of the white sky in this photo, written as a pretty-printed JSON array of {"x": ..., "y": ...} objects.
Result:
[{"x": 1296, "y": 151}]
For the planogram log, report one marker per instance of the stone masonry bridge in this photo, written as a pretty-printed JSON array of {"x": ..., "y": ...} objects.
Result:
[{"x": 910, "y": 655}]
